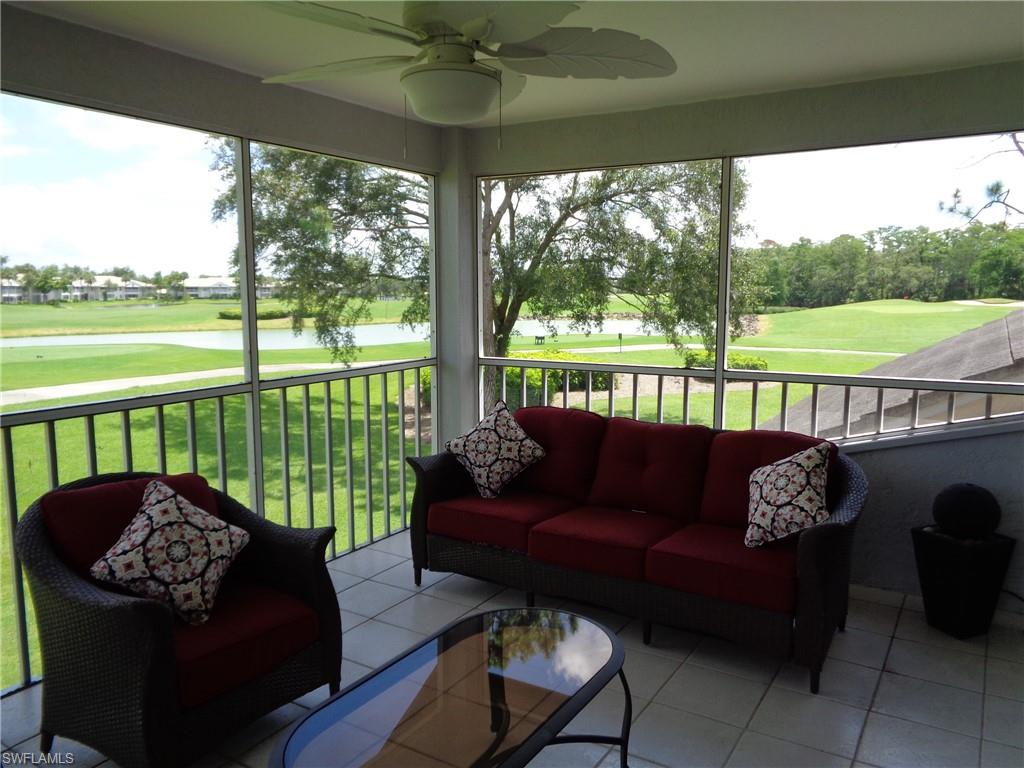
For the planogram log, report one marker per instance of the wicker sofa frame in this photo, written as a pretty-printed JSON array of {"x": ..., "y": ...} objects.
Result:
[
  {"x": 823, "y": 573},
  {"x": 108, "y": 662}
]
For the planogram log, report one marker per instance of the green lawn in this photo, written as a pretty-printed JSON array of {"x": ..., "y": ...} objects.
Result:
[
  {"x": 139, "y": 316},
  {"x": 874, "y": 326}
]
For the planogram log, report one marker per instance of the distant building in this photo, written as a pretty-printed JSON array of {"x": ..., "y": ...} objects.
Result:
[
  {"x": 216, "y": 287},
  {"x": 10, "y": 291}
]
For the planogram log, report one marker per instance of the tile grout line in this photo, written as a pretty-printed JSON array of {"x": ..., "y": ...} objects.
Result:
[
  {"x": 878, "y": 683},
  {"x": 753, "y": 713}
]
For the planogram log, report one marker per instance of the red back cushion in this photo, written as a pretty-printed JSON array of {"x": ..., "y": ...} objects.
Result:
[
  {"x": 655, "y": 468},
  {"x": 571, "y": 439},
  {"x": 733, "y": 456},
  {"x": 84, "y": 523}
]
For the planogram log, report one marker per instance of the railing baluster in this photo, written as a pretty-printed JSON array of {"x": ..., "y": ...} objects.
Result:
[
  {"x": 367, "y": 460},
  {"x": 915, "y": 409},
  {"x": 190, "y": 437},
  {"x": 814, "y": 410},
  {"x": 611, "y": 397},
  {"x": 384, "y": 457},
  {"x": 161, "y": 441},
  {"x": 329, "y": 461},
  {"x": 307, "y": 453},
  {"x": 416, "y": 412},
  {"x": 222, "y": 454},
  {"x": 686, "y": 400},
  {"x": 880, "y": 410},
  {"x": 565, "y": 389},
  {"x": 846, "y": 410},
  {"x": 349, "y": 484},
  {"x": 522, "y": 388},
  {"x": 951, "y": 408},
  {"x": 784, "y": 406},
  {"x": 90, "y": 444},
  {"x": 544, "y": 386},
  {"x": 286, "y": 473},
  {"x": 504, "y": 384},
  {"x": 21, "y": 625},
  {"x": 51, "y": 454},
  {"x": 636, "y": 396},
  {"x": 589, "y": 388},
  {"x": 988, "y": 406},
  {"x": 126, "y": 440},
  {"x": 401, "y": 444},
  {"x": 753, "y": 404}
]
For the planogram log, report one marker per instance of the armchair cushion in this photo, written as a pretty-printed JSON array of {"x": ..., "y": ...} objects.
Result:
[
  {"x": 172, "y": 551},
  {"x": 82, "y": 522},
  {"x": 712, "y": 560},
  {"x": 504, "y": 522},
  {"x": 254, "y": 629},
  {"x": 602, "y": 540}
]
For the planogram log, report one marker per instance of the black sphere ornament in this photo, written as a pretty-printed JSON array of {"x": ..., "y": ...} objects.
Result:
[{"x": 966, "y": 511}]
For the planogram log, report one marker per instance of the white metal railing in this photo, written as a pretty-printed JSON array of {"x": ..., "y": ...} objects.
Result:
[
  {"x": 363, "y": 509},
  {"x": 835, "y": 404}
]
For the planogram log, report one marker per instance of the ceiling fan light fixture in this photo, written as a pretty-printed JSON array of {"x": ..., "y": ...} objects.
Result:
[{"x": 451, "y": 93}]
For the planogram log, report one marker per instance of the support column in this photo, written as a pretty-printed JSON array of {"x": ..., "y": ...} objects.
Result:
[{"x": 457, "y": 338}]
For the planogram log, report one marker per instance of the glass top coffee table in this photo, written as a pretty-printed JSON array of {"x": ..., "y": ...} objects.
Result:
[{"x": 491, "y": 689}]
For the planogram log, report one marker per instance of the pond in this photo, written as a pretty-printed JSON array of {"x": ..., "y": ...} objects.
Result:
[{"x": 283, "y": 338}]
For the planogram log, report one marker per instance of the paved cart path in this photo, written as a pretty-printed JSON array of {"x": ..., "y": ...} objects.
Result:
[{"x": 651, "y": 347}]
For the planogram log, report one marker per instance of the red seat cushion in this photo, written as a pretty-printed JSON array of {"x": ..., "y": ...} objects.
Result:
[
  {"x": 733, "y": 456},
  {"x": 251, "y": 631},
  {"x": 600, "y": 540},
  {"x": 649, "y": 467},
  {"x": 571, "y": 440},
  {"x": 712, "y": 560},
  {"x": 502, "y": 522},
  {"x": 83, "y": 523}
]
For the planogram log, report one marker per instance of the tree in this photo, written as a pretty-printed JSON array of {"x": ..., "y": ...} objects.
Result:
[
  {"x": 564, "y": 245},
  {"x": 332, "y": 233}
]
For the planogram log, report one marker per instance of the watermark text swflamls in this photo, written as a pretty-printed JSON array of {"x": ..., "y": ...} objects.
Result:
[{"x": 35, "y": 758}]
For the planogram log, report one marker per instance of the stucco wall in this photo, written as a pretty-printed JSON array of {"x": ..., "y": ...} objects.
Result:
[{"x": 903, "y": 483}]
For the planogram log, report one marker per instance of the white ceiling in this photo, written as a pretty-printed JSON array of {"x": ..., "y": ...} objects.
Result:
[{"x": 722, "y": 49}]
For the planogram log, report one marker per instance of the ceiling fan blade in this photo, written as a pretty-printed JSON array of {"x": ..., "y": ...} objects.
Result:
[
  {"x": 512, "y": 83},
  {"x": 347, "y": 67},
  {"x": 495, "y": 22},
  {"x": 336, "y": 17},
  {"x": 588, "y": 53}
]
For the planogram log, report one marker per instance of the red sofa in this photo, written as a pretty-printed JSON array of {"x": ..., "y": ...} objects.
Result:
[{"x": 648, "y": 520}]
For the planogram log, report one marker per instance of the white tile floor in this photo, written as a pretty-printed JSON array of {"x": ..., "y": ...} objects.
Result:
[{"x": 894, "y": 692}]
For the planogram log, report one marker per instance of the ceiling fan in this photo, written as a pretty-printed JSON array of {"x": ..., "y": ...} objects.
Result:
[{"x": 448, "y": 81}]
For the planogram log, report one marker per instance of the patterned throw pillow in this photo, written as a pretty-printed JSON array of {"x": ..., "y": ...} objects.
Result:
[
  {"x": 787, "y": 496},
  {"x": 495, "y": 450},
  {"x": 174, "y": 552}
]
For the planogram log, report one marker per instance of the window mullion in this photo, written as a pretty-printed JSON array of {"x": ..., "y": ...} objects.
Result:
[{"x": 722, "y": 324}]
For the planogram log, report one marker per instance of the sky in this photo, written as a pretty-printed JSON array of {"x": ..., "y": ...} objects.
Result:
[{"x": 95, "y": 190}]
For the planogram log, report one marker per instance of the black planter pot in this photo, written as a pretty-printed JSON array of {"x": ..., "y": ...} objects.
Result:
[{"x": 960, "y": 578}]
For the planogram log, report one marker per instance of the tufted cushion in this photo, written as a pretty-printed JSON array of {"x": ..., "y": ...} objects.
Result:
[
  {"x": 787, "y": 496},
  {"x": 83, "y": 522},
  {"x": 612, "y": 542},
  {"x": 174, "y": 552},
  {"x": 495, "y": 450},
  {"x": 254, "y": 629},
  {"x": 655, "y": 468},
  {"x": 571, "y": 440},
  {"x": 711, "y": 560},
  {"x": 733, "y": 456},
  {"x": 503, "y": 522}
]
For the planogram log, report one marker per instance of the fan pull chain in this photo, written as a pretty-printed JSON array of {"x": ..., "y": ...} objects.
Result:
[{"x": 405, "y": 127}]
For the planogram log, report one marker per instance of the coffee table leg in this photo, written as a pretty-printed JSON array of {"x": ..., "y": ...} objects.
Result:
[{"x": 627, "y": 721}]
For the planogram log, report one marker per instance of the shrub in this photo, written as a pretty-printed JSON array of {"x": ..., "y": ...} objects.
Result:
[
  {"x": 263, "y": 314},
  {"x": 699, "y": 358}
]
